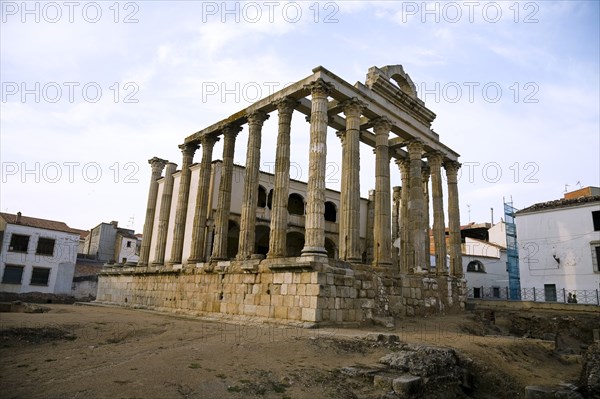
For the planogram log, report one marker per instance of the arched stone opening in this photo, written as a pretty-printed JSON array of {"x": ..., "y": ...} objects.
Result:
[
  {"x": 294, "y": 243},
  {"x": 476, "y": 266},
  {"x": 233, "y": 237},
  {"x": 331, "y": 248},
  {"x": 295, "y": 204},
  {"x": 330, "y": 211},
  {"x": 270, "y": 199},
  {"x": 261, "y": 245},
  {"x": 262, "y": 197}
]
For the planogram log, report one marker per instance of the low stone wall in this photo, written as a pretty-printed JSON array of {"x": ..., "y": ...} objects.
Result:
[{"x": 289, "y": 292}]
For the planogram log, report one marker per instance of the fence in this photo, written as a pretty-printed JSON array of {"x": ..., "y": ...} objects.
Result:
[{"x": 588, "y": 297}]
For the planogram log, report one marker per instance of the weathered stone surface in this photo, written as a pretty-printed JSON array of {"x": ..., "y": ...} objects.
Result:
[
  {"x": 590, "y": 373},
  {"x": 425, "y": 361},
  {"x": 407, "y": 386},
  {"x": 539, "y": 392}
]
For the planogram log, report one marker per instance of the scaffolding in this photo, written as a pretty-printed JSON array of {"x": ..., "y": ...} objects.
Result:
[{"x": 512, "y": 252}]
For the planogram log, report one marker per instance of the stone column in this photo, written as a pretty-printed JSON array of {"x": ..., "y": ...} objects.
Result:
[
  {"x": 183, "y": 195},
  {"x": 405, "y": 246},
  {"x": 396, "y": 195},
  {"x": 163, "y": 217},
  {"x": 425, "y": 173},
  {"x": 199, "y": 226},
  {"x": 416, "y": 207},
  {"x": 230, "y": 132},
  {"x": 453, "y": 218},
  {"x": 157, "y": 165},
  {"x": 382, "y": 234},
  {"x": 370, "y": 228},
  {"x": 349, "y": 235},
  {"x": 439, "y": 225},
  {"x": 249, "y": 203},
  {"x": 279, "y": 211},
  {"x": 314, "y": 244}
]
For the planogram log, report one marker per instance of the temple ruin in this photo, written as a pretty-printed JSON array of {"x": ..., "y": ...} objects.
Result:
[{"x": 217, "y": 242}]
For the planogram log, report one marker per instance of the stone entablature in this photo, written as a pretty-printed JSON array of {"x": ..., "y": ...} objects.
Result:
[{"x": 386, "y": 114}]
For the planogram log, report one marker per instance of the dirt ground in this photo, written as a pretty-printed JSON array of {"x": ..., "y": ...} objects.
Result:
[{"x": 106, "y": 352}]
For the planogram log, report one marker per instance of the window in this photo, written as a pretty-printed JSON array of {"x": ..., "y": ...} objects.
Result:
[
  {"x": 476, "y": 267},
  {"x": 270, "y": 200},
  {"x": 595, "y": 256},
  {"x": 330, "y": 211},
  {"x": 18, "y": 243},
  {"x": 262, "y": 197},
  {"x": 128, "y": 244},
  {"x": 476, "y": 292},
  {"x": 12, "y": 274},
  {"x": 40, "y": 276},
  {"x": 496, "y": 292},
  {"x": 295, "y": 204},
  {"x": 45, "y": 246},
  {"x": 550, "y": 292},
  {"x": 596, "y": 220}
]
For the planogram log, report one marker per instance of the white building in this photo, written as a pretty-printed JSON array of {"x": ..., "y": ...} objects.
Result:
[
  {"x": 484, "y": 259},
  {"x": 38, "y": 255},
  {"x": 107, "y": 242},
  {"x": 559, "y": 247}
]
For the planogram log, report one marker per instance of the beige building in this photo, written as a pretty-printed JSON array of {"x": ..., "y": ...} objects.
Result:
[{"x": 250, "y": 250}]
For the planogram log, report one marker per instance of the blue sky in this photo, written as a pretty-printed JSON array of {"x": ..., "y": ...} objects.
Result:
[{"x": 515, "y": 86}]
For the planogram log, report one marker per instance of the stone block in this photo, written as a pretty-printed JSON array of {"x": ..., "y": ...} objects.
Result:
[
  {"x": 277, "y": 300},
  {"x": 278, "y": 278},
  {"x": 407, "y": 386},
  {"x": 305, "y": 277},
  {"x": 309, "y": 314},
  {"x": 287, "y": 277},
  {"x": 382, "y": 381},
  {"x": 264, "y": 300},
  {"x": 301, "y": 289},
  {"x": 538, "y": 392},
  {"x": 263, "y": 311},
  {"x": 279, "y": 289},
  {"x": 292, "y": 289},
  {"x": 281, "y": 312},
  {"x": 313, "y": 289},
  {"x": 294, "y": 313},
  {"x": 330, "y": 279}
]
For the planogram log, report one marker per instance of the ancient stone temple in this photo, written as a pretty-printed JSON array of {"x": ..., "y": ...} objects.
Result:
[{"x": 232, "y": 241}]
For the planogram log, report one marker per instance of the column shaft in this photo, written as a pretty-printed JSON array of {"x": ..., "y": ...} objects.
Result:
[
  {"x": 199, "y": 226},
  {"x": 453, "y": 218},
  {"x": 224, "y": 201},
  {"x": 439, "y": 225},
  {"x": 382, "y": 233},
  {"x": 314, "y": 244},
  {"x": 349, "y": 235},
  {"x": 183, "y": 196},
  {"x": 279, "y": 211},
  {"x": 426, "y": 172},
  {"x": 416, "y": 207},
  {"x": 164, "y": 214},
  {"x": 157, "y": 165},
  {"x": 405, "y": 246},
  {"x": 249, "y": 202}
]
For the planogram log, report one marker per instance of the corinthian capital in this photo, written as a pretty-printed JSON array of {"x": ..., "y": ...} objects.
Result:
[
  {"x": 353, "y": 107},
  {"x": 257, "y": 118},
  {"x": 319, "y": 88}
]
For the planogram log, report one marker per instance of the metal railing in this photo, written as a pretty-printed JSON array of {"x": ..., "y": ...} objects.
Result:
[{"x": 587, "y": 297}]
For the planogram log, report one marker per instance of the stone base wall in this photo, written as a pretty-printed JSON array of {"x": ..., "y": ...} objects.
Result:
[{"x": 289, "y": 291}]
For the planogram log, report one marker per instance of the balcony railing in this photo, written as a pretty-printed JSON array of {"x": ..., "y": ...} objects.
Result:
[{"x": 585, "y": 297}]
